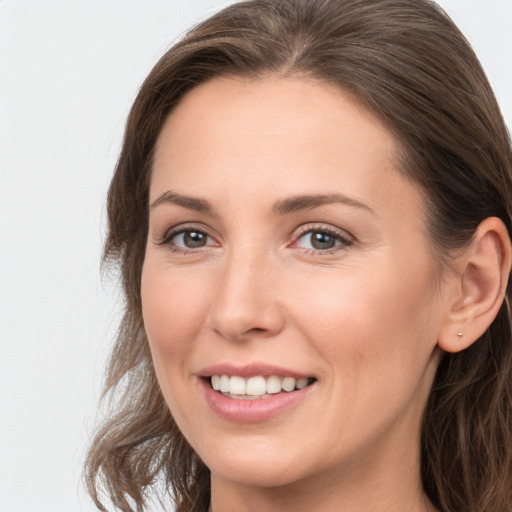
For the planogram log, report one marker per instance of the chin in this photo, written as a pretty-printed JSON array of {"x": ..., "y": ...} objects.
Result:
[
  {"x": 255, "y": 468},
  {"x": 267, "y": 476}
]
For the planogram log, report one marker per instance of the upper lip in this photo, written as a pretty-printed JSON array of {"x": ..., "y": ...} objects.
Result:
[{"x": 250, "y": 370}]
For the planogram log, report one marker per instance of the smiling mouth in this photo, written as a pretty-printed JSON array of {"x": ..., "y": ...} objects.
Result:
[{"x": 258, "y": 387}]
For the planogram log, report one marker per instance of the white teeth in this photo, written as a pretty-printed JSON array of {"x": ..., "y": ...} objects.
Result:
[
  {"x": 237, "y": 386},
  {"x": 256, "y": 387},
  {"x": 224, "y": 384},
  {"x": 288, "y": 383},
  {"x": 273, "y": 384}
]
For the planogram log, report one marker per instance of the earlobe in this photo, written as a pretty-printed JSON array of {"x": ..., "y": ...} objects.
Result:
[{"x": 482, "y": 276}]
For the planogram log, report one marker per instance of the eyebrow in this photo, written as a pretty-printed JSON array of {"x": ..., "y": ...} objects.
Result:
[
  {"x": 280, "y": 207},
  {"x": 308, "y": 202},
  {"x": 192, "y": 203}
]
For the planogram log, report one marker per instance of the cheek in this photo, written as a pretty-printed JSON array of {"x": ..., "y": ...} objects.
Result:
[
  {"x": 370, "y": 317},
  {"x": 173, "y": 310},
  {"x": 173, "y": 313},
  {"x": 377, "y": 333}
]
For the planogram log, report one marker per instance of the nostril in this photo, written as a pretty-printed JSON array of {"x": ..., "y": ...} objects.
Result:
[{"x": 256, "y": 330}]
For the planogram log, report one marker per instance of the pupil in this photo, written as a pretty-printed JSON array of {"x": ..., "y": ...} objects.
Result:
[
  {"x": 322, "y": 241},
  {"x": 194, "y": 239}
]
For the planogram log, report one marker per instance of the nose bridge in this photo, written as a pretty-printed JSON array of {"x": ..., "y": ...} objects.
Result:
[{"x": 245, "y": 297}]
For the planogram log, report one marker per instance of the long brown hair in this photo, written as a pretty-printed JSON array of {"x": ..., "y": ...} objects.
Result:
[{"x": 409, "y": 65}]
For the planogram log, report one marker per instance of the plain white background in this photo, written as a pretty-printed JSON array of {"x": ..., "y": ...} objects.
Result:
[{"x": 69, "y": 71}]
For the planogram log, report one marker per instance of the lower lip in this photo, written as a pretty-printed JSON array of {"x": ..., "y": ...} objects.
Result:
[{"x": 252, "y": 411}]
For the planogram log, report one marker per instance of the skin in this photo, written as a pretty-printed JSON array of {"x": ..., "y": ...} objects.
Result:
[{"x": 363, "y": 318}]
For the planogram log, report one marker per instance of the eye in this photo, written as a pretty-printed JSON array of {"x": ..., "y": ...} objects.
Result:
[
  {"x": 189, "y": 239},
  {"x": 322, "y": 239}
]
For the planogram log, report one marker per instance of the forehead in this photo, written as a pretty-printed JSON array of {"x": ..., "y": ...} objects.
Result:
[
  {"x": 272, "y": 107},
  {"x": 247, "y": 134}
]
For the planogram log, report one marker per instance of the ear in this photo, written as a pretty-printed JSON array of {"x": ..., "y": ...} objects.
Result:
[{"x": 482, "y": 273}]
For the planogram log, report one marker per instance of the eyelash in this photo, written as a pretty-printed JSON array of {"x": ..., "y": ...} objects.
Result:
[
  {"x": 174, "y": 232},
  {"x": 343, "y": 241}
]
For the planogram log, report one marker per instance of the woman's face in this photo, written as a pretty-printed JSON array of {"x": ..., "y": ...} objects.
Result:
[{"x": 284, "y": 242}]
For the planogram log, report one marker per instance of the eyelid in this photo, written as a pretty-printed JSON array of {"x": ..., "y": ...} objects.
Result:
[
  {"x": 346, "y": 239},
  {"x": 170, "y": 233}
]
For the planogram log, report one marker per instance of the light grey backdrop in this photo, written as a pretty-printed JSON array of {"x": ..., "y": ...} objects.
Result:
[{"x": 69, "y": 71}]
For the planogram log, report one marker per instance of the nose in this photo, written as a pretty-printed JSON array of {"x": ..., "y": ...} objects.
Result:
[{"x": 245, "y": 303}]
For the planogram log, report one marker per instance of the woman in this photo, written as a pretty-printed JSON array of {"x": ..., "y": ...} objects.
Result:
[{"x": 311, "y": 213}]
